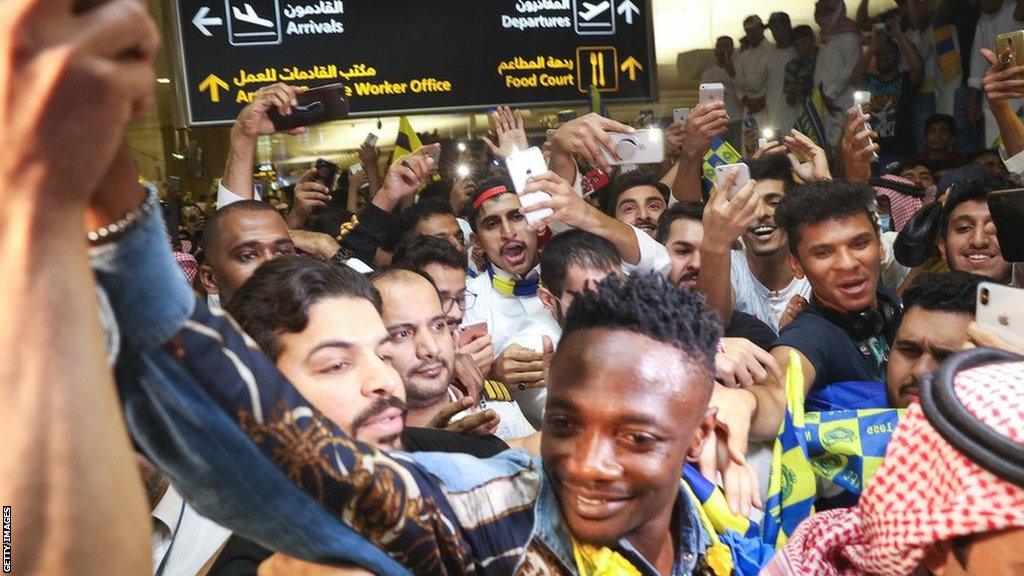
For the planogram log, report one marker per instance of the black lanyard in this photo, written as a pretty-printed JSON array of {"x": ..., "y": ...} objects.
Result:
[{"x": 174, "y": 536}]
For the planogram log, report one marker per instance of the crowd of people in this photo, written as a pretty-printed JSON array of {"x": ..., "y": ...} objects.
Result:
[{"x": 649, "y": 372}]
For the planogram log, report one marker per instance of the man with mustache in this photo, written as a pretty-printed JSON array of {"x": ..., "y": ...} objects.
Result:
[
  {"x": 638, "y": 199},
  {"x": 507, "y": 294},
  {"x": 320, "y": 323},
  {"x": 938, "y": 309},
  {"x": 422, "y": 350}
]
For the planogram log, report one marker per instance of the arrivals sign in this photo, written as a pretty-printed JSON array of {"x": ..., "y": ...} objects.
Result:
[{"x": 403, "y": 56}]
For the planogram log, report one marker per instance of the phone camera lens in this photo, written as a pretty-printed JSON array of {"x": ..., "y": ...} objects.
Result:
[{"x": 984, "y": 295}]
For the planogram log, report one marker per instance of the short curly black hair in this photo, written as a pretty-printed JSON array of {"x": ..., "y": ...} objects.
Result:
[
  {"x": 648, "y": 304},
  {"x": 822, "y": 201},
  {"x": 680, "y": 211},
  {"x": 977, "y": 189},
  {"x": 575, "y": 248},
  {"x": 945, "y": 292},
  {"x": 774, "y": 166},
  {"x": 423, "y": 250},
  {"x": 276, "y": 299},
  {"x": 640, "y": 177}
]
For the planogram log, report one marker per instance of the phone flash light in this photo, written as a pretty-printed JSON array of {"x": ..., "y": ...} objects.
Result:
[
  {"x": 462, "y": 146},
  {"x": 768, "y": 133},
  {"x": 655, "y": 134},
  {"x": 462, "y": 171}
]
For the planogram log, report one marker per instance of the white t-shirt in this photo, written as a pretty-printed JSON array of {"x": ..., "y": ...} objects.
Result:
[
  {"x": 749, "y": 295},
  {"x": 752, "y": 76},
  {"x": 781, "y": 115},
  {"x": 838, "y": 56},
  {"x": 990, "y": 26}
]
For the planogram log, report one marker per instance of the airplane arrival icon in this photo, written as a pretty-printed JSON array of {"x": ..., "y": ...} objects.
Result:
[{"x": 253, "y": 22}]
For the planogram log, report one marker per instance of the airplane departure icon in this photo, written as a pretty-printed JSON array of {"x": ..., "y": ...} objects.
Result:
[
  {"x": 593, "y": 10},
  {"x": 251, "y": 17}
]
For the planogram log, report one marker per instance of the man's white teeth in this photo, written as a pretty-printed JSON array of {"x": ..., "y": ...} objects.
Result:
[
  {"x": 764, "y": 229},
  {"x": 590, "y": 501},
  {"x": 978, "y": 257}
]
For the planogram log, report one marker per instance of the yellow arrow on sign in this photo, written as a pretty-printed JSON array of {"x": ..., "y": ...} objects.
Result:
[
  {"x": 631, "y": 65},
  {"x": 214, "y": 85}
]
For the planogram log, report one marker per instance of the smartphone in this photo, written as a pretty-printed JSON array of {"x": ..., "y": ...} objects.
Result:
[
  {"x": 355, "y": 168},
  {"x": 640, "y": 147},
  {"x": 315, "y": 105},
  {"x": 742, "y": 177},
  {"x": 471, "y": 332},
  {"x": 435, "y": 153},
  {"x": 1015, "y": 42},
  {"x": 711, "y": 93},
  {"x": 551, "y": 133},
  {"x": 1001, "y": 311},
  {"x": 326, "y": 172},
  {"x": 371, "y": 139},
  {"x": 1007, "y": 209},
  {"x": 767, "y": 135},
  {"x": 680, "y": 114},
  {"x": 521, "y": 166},
  {"x": 862, "y": 100}
]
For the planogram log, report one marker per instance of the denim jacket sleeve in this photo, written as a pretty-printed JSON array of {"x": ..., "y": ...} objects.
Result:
[{"x": 148, "y": 293}]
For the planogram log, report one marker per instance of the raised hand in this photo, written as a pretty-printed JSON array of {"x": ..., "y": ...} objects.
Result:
[
  {"x": 510, "y": 131},
  {"x": 70, "y": 76},
  {"x": 587, "y": 137},
  {"x": 254, "y": 120},
  {"x": 857, "y": 147},
  {"x": 705, "y": 123},
  {"x": 809, "y": 160},
  {"x": 725, "y": 220}
]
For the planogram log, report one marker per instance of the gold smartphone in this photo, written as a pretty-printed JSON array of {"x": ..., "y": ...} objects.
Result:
[{"x": 1015, "y": 42}]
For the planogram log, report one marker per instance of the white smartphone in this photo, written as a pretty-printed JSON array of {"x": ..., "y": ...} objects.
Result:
[
  {"x": 711, "y": 93},
  {"x": 742, "y": 177},
  {"x": 1001, "y": 311},
  {"x": 551, "y": 133},
  {"x": 521, "y": 166},
  {"x": 680, "y": 114},
  {"x": 640, "y": 147},
  {"x": 355, "y": 168},
  {"x": 862, "y": 100},
  {"x": 767, "y": 135}
]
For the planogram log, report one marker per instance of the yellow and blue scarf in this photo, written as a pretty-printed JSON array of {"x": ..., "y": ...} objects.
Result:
[
  {"x": 844, "y": 447},
  {"x": 511, "y": 287}
]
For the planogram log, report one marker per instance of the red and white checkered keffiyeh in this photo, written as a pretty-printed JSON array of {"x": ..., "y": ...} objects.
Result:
[
  {"x": 902, "y": 206},
  {"x": 188, "y": 264},
  {"x": 924, "y": 493}
]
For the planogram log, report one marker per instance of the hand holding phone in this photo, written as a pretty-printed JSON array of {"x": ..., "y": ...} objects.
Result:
[
  {"x": 1007, "y": 210},
  {"x": 680, "y": 114},
  {"x": 522, "y": 165},
  {"x": 1000, "y": 310},
  {"x": 316, "y": 105},
  {"x": 708, "y": 93},
  {"x": 471, "y": 332},
  {"x": 742, "y": 177},
  {"x": 862, "y": 102},
  {"x": 640, "y": 147},
  {"x": 326, "y": 172}
]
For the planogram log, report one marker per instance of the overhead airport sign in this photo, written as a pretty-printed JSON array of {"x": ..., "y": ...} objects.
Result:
[{"x": 399, "y": 56}]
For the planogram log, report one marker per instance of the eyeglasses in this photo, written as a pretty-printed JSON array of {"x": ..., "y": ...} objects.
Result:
[{"x": 464, "y": 301}]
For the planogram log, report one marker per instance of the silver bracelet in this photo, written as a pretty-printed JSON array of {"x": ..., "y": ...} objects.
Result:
[{"x": 122, "y": 226}]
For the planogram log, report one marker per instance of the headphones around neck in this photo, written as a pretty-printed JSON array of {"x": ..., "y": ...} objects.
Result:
[{"x": 868, "y": 323}]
